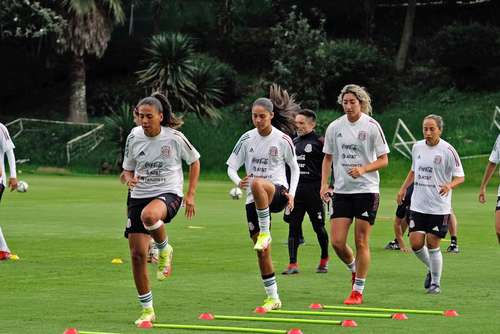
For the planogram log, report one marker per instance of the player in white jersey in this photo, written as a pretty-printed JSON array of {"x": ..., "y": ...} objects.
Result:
[
  {"x": 264, "y": 151},
  {"x": 6, "y": 148},
  {"x": 153, "y": 171},
  {"x": 494, "y": 160},
  {"x": 436, "y": 169},
  {"x": 356, "y": 146}
]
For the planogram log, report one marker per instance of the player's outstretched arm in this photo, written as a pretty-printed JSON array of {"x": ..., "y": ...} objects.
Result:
[
  {"x": 194, "y": 175},
  {"x": 488, "y": 172}
]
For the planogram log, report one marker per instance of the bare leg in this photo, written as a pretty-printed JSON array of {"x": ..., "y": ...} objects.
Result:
[
  {"x": 138, "y": 245},
  {"x": 363, "y": 257}
]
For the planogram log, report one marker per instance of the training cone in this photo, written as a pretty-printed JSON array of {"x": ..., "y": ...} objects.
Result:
[
  {"x": 260, "y": 310},
  {"x": 206, "y": 316},
  {"x": 145, "y": 325},
  {"x": 71, "y": 331},
  {"x": 349, "y": 323},
  {"x": 399, "y": 316},
  {"x": 117, "y": 261},
  {"x": 450, "y": 313},
  {"x": 295, "y": 331},
  {"x": 316, "y": 306},
  {"x": 14, "y": 257}
]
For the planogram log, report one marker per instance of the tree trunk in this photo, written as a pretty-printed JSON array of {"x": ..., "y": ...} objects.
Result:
[
  {"x": 224, "y": 26},
  {"x": 369, "y": 6},
  {"x": 157, "y": 9},
  {"x": 406, "y": 37},
  {"x": 77, "y": 99}
]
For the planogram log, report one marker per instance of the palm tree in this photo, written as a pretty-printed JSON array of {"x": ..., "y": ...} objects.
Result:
[{"x": 90, "y": 24}]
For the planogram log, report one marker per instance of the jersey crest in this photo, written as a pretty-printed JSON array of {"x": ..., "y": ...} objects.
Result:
[
  {"x": 273, "y": 151},
  {"x": 308, "y": 148},
  {"x": 438, "y": 159},
  {"x": 362, "y": 135}
]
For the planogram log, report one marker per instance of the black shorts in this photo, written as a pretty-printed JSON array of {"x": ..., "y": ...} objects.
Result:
[
  {"x": 278, "y": 203},
  {"x": 2, "y": 188},
  {"x": 428, "y": 223},
  {"x": 496, "y": 209},
  {"x": 307, "y": 199},
  {"x": 361, "y": 206},
  {"x": 403, "y": 210},
  {"x": 136, "y": 205}
]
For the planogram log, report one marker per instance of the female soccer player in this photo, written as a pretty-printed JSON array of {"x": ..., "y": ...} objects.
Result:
[
  {"x": 357, "y": 147},
  {"x": 264, "y": 151},
  {"x": 494, "y": 160},
  {"x": 436, "y": 169},
  {"x": 153, "y": 171}
]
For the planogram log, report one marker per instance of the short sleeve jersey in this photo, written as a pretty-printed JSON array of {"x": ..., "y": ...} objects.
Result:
[
  {"x": 6, "y": 145},
  {"x": 355, "y": 144},
  {"x": 157, "y": 161},
  {"x": 263, "y": 156},
  {"x": 433, "y": 166},
  {"x": 495, "y": 155}
]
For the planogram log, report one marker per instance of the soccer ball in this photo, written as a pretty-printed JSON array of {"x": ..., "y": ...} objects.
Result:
[
  {"x": 22, "y": 186},
  {"x": 235, "y": 193}
]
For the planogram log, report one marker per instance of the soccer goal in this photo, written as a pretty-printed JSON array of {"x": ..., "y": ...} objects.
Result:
[
  {"x": 403, "y": 139},
  {"x": 54, "y": 142},
  {"x": 496, "y": 118}
]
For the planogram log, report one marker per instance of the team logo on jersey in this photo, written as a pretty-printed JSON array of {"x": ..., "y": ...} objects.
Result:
[
  {"x": 165, "y": 151},
  {"x": 438, "y": 159},
  {"x": 273, "y": 151},
  {"x": 362, "y": 135},
  {"x": 308, "y": 148}
]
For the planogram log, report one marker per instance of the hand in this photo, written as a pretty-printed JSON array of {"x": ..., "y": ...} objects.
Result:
[
  {"x": 12, "y": 183},
  {"x": 356, "y": 172},
  {"x": 444, "y": 190},
  {"x": 404, "y": 249},
  {"x": 482, "y": 197},
  {"x": 189, "y": 204},
  {"x": 401, "y": 196},
  {"x": 244, "y": 183},
  {"x": 132, "y": 182},
  {"x": 291, "y": 202},
  {"x": 325, "y": 194}
]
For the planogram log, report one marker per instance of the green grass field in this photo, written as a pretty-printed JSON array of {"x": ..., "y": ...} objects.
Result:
[{"x": 67, "y": 229}]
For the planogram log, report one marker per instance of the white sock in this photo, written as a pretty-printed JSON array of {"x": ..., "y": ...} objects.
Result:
[
  {"x": 423, "y": 255},
  {"x": 436, "y": 259},
  {"x": 264, "y": 219},
  {"x": 271, "y": 287},
  {"x": 352, "y": 266},
  {"x": 3, "y": 243},
  {"x": 359, "y": 285},
  {"x": 161, "y": 245},
  {"x": 146, "y": 299}
]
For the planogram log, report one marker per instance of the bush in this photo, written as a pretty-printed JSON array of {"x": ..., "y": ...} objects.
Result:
[{"x": 471, "y": 53}]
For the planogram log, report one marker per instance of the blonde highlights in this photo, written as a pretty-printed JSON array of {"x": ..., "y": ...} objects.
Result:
[{"x": 361, "y": 94}]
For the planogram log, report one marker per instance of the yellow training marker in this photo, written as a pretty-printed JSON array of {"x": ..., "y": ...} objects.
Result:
[{"x": 117, "y": 261}]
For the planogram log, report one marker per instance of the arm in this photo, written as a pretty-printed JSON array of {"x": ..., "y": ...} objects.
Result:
[
  {"x": 488, "y": 172},
  {"x": 445, "y": 188},
  {"x": 326, "y": 169},
  {"x": 127, "y": 177},
  {"x": 12, "y": 167},
  {"x": 381, "y": 162},
  {"x": 194, "y": 175},
  {"x": 294, "y": 181},
  {"x": 410, "y": 178}
]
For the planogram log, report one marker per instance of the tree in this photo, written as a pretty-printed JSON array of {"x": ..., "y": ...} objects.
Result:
[
  {"x": 90, "y": 24},
  {"x": 369, "y": 7},
  {"x": 224, "y": 25},
  {"x": 406, "y": 36}
]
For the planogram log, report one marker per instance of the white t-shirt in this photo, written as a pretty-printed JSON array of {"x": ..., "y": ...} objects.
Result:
[
  {"x": 6, "y": 145},
  {"x": 157, "y": 161},
  {"x": 355, "y": 144},
  {"x": 263, "y": 157},
  {"x": 495, "y": 156},
  {"x": 433, "y": 166}
]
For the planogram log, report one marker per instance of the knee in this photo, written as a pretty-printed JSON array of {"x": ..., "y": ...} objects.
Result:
[
  {"x": 338, "y": 245},
  {"x": 256, "y": 184},
  {"x": 138, "y": 256},
  {"x": 361, "y": 242},
  {"x": 149, "y": 217}
]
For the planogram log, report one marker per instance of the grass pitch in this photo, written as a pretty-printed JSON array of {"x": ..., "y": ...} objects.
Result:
[{"x": 67, "y": 229}]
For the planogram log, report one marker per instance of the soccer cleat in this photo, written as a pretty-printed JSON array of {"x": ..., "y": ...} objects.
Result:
[
  {"x": 148, "y": 314},
  {"x": 323, "y": 266},
  {"x": 292, "y": 268},
  {"x": 4, "y": 255},
  {"x": 355, "y": 298},
  {"x": 453, "y": 248},
  {"x": 427, "y": 282},
  {"x": 165, "y": 263},
  {"x": 263, "y": 241},
  {"x": 434, "y": 289},
  {"x": 392, "y": 245},
  {"x": 271, "y": 304}
]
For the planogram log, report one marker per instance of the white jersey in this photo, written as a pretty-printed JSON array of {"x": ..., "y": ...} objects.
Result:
[
  {"x": 355, "y": 144},
  {"x": 433, "y": 166},
  {"x": 263, "y": 157},
  {"x": 157, "y": 161},
  {"x": 6, "y": 145},
  {"x": 495, "y": 156}
]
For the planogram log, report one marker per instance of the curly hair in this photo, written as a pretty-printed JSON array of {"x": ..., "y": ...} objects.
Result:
[{"x": 361, "y": 94}]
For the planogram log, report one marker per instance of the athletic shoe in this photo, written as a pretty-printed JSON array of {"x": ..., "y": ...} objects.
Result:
[
  {"x": 323, "y": 266},
  {"x": 148, "y": 314},
  {"x": 271, "y": 304},
  {"x": 434, "y": 289},
  {"x": 355, "y": 298},
  {"x": 292, "y": 268},
  {"x": 427, "y": 282},
  {"x": 152, "y": 253},
  {"x": 4, "y": 255},
  {"x": 165, "y": 263},
  {"x": 392, "y": 245},
  {"x": 453, "y": 248},
  {"x": 263, "y": 241}
]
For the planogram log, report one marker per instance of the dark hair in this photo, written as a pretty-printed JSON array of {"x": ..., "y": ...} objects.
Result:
[
  {"x": 285, "y": 109},
  {"x": 308, "y": 113},
  {"x": 160, "y": 102}
]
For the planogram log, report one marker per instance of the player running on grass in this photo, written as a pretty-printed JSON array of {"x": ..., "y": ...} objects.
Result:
[
  {"x": 264, "y": 151},
  {"x": 494, "y": 160},
  {"x": 356, "y": 146},
  {"x": 436, "y": 169},
  {"x": 153, "y": 171}
]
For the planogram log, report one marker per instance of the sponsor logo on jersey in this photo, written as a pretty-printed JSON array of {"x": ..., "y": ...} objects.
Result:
[
  {"x": 251, "y": 149},
  {"x": 165, "y": 151},
  {"x": 362, "y": 135},
  {"x": 273, "y": 151},
  {"x": 418, "y": 157},
  {"x": 339, "y": 135},
  {"x": 438, "y": 159},
  {"x": 141, "y": 154},
  {"x": 308, "y": 148}
]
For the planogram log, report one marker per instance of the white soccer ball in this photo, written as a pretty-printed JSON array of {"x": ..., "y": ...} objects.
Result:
[
  {"x": 22, "y": 186},
  {"x": 235, "y": 193}
]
